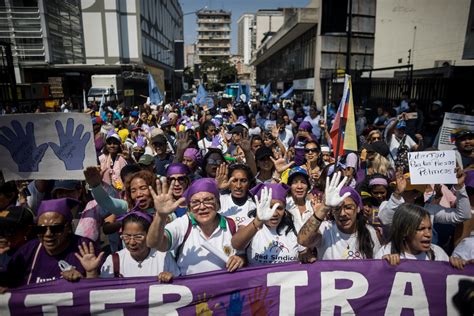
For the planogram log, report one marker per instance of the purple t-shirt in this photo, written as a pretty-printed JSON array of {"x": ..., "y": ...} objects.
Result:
[{"x": 45, "y": 267}]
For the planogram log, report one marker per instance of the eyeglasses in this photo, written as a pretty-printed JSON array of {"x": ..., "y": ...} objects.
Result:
[
  {"x": 311, "y": 150},
  {"x": 136, "y": 237},
  {"x": 214, "y": 162},
  {"x": 374, "y": 139},
  {"x": 180, "y": 179},
  {"x": 208, "y": 202},
  {"x": 54, "y": 229},
  {"x": 347, "y": 207}
]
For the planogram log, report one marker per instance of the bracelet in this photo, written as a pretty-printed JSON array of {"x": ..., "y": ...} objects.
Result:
[
  {"x": 317, "y": 218},
  {"x": 255, "y": 226}
]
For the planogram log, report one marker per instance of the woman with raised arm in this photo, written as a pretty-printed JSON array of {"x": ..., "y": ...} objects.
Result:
[
  {"x": 202, "y": 233},
  {"x": 345, "y": 237}
]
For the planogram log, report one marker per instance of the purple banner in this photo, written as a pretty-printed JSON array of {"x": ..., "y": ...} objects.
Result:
[{"x": 325, "y": 287}]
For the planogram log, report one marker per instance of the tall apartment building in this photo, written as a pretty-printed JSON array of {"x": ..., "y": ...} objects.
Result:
[
  {"x": 213, "y": 34},
  {"x": 245, "y": 36},
  {"x": 42, "y": 32}
]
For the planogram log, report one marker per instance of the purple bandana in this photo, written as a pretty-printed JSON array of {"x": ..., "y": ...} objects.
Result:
[
  {"x": 279, "y": 191},
  {"x": 177, "y": 168},
  {"x": 193, "y": 153},
  {"x": 306, "y": 126},
  {"x": 145, "y": 216},
  {"x": 378, "y": 181},
  {"x": 354, "y": 195},
  {"x": 61, "y": 206},
  {"x": 202, "y": 185}
]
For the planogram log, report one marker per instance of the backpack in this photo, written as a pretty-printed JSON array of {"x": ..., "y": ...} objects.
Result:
[
  {"x": 230, "y": 224},
  {"x": 401, "y": 161},
  {"x": 116, "y": 265}
]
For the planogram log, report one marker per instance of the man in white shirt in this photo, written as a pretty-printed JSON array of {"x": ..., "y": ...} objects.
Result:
[{"x": 313, "y": 118}]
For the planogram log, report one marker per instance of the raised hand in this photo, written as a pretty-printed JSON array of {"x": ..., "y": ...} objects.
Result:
[
  {"x": 401, "y": 182},
  {"x": 461, "y": 176},
  {"x": 264, "y": 211},
  {"x": 86, "y": 256},
  {"x": 22, "y": 146},
  {"x": 275, "y": 132},
  {"x": 216, "y": 141},
  {"x": 93, "y": 176},
  {"x": 221, "y": 177},
  {"x": 333, "y": 188},
  {"x": 182, "y": 142},
  {"x": 281, "y": 165},
  {"x": 72, "y": 145},
  {"x": 163, "y": 199},
  {"x": 245, "y": 145}
]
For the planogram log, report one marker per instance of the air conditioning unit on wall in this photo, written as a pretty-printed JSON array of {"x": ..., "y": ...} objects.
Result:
[{"x": 442, "y": 63}]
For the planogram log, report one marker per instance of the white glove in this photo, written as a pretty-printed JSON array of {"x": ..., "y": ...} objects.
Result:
[
  {"x": 264, "y": 212},
  {"x": 333, "y": 187}
]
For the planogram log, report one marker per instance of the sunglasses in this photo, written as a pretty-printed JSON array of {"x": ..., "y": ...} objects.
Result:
[
  {"x": 54, "y": 229},
  {"x": 213, "y": 162},
  {"x": 311, "y": 150},
  {"x": 180, "y": 179}
]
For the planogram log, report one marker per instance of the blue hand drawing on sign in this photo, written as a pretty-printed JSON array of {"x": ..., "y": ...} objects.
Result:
[
  {"x": 22, "y": 146},
  {"x": 72, "y": 148},
  {"x": 236, "y": 304}
]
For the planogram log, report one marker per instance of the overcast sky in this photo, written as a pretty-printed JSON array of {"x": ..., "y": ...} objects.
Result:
[{"x": 237, "y": 7}]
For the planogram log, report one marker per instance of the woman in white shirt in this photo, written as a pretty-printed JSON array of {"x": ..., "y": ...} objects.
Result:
[
  {"x": 136, "y": 259},
  {"x": 269, "y": 237},
  {"x": 201, "y": 240},
  {"x": 410, "y": 238},
  {"x": 345, "y": 237}
]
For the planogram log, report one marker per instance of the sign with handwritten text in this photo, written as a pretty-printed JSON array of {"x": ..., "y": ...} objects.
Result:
[
  {"x": 432, "y": 167},
  {"x": 46, "y": 146},
  {"x": 451, "y": 122}
]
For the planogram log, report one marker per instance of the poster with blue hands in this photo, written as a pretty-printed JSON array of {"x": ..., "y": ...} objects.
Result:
[{"x": 46, "y": 146}]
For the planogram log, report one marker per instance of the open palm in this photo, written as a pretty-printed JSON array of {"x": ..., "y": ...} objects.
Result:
[
  {"x": 89, "y": 261},
  {"x": 163, "y": 199}
]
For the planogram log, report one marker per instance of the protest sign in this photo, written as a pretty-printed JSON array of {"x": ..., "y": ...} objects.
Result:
[
  {"x": 453, "y": 121},
  {"x": 46, "y": 146},
  {"x": 432, "y": 167},
  {"x": 347, "y": 287}
]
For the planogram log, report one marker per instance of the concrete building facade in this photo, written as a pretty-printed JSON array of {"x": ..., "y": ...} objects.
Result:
[
  {"x": 267, "y": 22},
  {"x": 213, "y": 34},
  {"x": 425, "y": 33},
  {"x": 306, "y": 56},
  {"x": 245, "y": 38}
]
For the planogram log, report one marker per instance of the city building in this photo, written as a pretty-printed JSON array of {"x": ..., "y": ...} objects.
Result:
[
  {"x": 429, "y": 34},
  {"x": 189, "y": 52},
  {"x": 245, "y": 38},
  {"x": 310, "y": 48},
  {"x": 41, "y": 33},
  {"x": 267, "y": 22},
  {"x": 213, "y": 40},
  {"x": 63, "y": 43}
]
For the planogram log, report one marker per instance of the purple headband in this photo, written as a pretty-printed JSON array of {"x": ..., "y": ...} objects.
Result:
[
  {"x": 279, "y": 191},
  {"x": 378, "y": 181},
  {"x": 61, "y": 206},
  {"x": 202, "y": 185},
  {"x": 353, "y": 195},
  {"x": 193, "y": 153},
  {"x": 306, "y": 126},
  {"x": 143, "y": 215},
  {"x": 177, "y": 168}
]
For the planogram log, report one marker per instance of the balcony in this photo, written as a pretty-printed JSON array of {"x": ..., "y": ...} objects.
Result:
[
  {"x": 213, "y": 29},
  {"x": 214, "y": 37},
  {"x": 210, "y": 45},
  {"x": 216, "y": 53},
  {"x": 225, "y": 21}
]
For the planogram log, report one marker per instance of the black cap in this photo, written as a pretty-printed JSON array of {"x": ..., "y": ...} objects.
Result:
[
  {"x": 263, "y": 152},
  {"x": 238, "y": 129},
  {"x": 160, "y": 139},
  {"x": 379, "y": 147},
  {"x": 16, "y": 215}
]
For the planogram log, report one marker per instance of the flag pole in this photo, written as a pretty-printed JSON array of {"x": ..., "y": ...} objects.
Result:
[{"x": 342, "y": 120}]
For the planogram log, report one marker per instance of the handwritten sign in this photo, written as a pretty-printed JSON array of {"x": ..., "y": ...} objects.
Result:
[
  {"x": 452, "y": 121},
  {"x": 46, "y": 146},
  {"x": 432, "y": 167}
]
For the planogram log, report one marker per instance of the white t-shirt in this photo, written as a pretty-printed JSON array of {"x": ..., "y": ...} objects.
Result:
[
  {"x": 465, "y": 249},
  {"x": 315, "y": 124},
  {"x": 336, "y": 245},
  {"x": 439, "y": 253},
  {"x": 238, "y": 213},
  {"x": 205, "y": 144},
  {"x": 298, "y": 218},
  {"x": 155, "y": 263},
  {"x": 286, "y": 137},
  {"x": 193, "y": 257},
  {"x": 254, "y": 131},
  {"x": 267, "y": 247}
]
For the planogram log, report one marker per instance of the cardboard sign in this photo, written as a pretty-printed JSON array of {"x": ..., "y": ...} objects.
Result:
[
  {"x": 432, "y": 167},
  {"x": 46, "y": 146},
  {"x": 452, "y": 121}
]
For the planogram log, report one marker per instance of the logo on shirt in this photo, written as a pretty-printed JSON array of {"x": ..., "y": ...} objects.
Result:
[{"x": 227, "y": 250}]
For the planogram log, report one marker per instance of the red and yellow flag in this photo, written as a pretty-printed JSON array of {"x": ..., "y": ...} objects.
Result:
[{"x": 343, "y": 131}]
